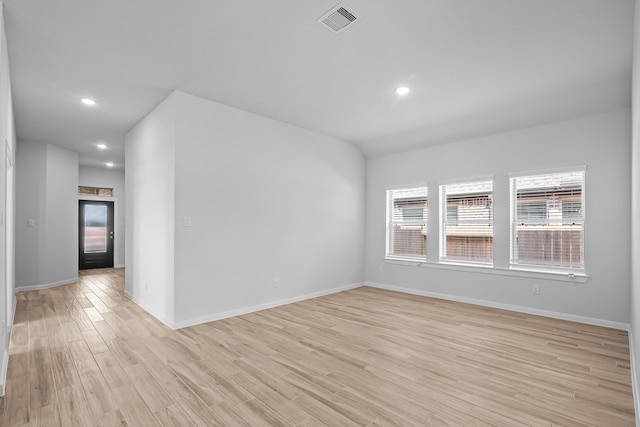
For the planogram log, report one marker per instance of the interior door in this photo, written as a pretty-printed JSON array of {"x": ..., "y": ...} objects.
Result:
[{"x": 95, "y": 234}]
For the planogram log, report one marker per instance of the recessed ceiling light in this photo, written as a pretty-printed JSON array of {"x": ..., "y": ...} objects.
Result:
[
  {"x": 101, "y": 146},
  {"x": 402, "y": 90},
  {"x": 110, "y": 165},
  {"x": 88, "y": 101}
]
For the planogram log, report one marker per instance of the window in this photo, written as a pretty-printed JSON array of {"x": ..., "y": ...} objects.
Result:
[
  {"x": 452, "y": 214},
  {"x": 551, "y": 237},
  {"x": 532, "y": 209},
  {"x": 466, "y": 222},
  {"x": 407, "y": 223},
  {"x": 572, "y": 209},
  {"x": 412, "y": 214},
  {"x": 95, "y": 191}
]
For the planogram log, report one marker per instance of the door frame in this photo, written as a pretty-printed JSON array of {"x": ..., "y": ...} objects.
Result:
[{"x": 116, "y": 236}]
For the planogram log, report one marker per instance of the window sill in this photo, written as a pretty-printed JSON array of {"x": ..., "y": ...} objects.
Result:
[{"x": 558, "y": 276}]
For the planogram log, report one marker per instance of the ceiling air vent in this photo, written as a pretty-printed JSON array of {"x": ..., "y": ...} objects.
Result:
[{"x": 338, "y": 18}]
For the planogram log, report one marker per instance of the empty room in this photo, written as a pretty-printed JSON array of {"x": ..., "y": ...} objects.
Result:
[{"x": 288, "y": 213}]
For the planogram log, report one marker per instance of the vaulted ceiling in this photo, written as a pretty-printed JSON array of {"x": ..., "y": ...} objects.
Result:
[{"x": 475, "y": 67}]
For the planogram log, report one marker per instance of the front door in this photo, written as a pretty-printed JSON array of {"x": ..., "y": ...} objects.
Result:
[{"x": 95, "y": 234}]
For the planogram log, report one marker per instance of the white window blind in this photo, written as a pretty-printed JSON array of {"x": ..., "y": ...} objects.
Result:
[
  {"x": 466, "y": 222},
  {"x": 407, "y": 223},
  {"x": 547, "y": 220}
]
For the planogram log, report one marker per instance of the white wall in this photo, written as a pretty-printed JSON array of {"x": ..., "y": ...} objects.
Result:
[
  {"x": 31, "y": 169},
  {"x": 47, "y": 193},
  {"x": 7, "y": 198},
  {"x": 61, "y": 221},
  {"x": 277, "y": 211},
  {"x": 634, "y": 333},
  {"x": 109, "y": 178},
  {"x": 601, "y": 142},
  {"x": 149, "y": 211}
]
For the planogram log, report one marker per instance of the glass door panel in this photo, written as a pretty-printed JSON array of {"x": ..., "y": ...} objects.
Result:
[{"x": 95, "y": 229}]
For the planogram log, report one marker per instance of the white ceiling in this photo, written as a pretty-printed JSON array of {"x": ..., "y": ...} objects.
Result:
[{"x": 476, "y": 67}]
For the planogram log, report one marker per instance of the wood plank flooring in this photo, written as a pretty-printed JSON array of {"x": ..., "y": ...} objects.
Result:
[{"x": 83, "y": 355}]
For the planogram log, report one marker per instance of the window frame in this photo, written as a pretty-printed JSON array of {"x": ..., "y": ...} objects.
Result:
[
  {"x": 389, "y": 236},
  {"x": 445, "y": 216},
  {"x": 85, "y": 190},
  {"x": 550, "y": 267}
]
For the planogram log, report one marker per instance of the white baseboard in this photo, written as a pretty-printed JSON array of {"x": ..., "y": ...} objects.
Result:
[
  {"x": 3, "y": 372},
  {"x": 168, "y": 322},
  {"x": 510, "y": 307},
  {"x": 240, "y": 311},
  {"x": 251, "y": 309},
  {"x": 4, "y": 366},
  {"x": 634, "y": 384},
  {"x": 46, "y": 285}
]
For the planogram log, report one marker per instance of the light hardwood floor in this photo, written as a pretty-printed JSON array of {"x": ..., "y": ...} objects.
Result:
[{"x": 84, "y": 355}]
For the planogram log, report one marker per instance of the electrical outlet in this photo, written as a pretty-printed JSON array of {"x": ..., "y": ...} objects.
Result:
[
  {"x": 187, "y": 221},
  {"x": 535, "y": 290},
  {"x": 276, "y": 283}
]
